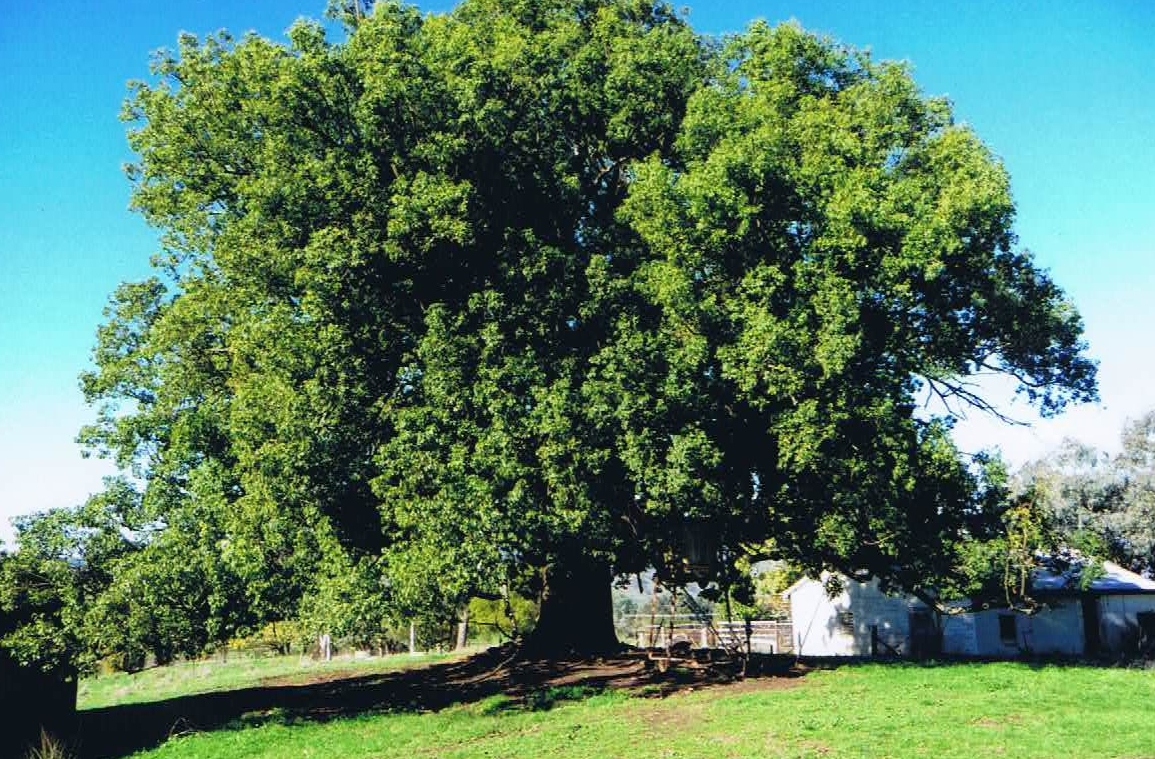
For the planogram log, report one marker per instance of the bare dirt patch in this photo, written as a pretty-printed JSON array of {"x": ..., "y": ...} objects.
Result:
[{"x": 997, "y": 723}]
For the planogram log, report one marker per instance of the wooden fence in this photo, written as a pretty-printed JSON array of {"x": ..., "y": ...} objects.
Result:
[{"x": 762, "y": 636}]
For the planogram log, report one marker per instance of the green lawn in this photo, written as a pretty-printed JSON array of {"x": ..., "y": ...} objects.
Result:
[
  {"x": 874, "y": 710},
  {"x": 186, "y": 678}
]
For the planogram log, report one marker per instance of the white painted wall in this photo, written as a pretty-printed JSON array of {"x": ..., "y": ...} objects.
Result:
[
  {"x": 814, "y": 616},
  {"x": 1056, "y": 630},
  {"x": 818, "y": 620}
]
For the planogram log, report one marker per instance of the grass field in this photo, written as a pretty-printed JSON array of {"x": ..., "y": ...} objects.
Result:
[
  {"x": 865, "y": 710},
  {"x": 207, "y": 675}
]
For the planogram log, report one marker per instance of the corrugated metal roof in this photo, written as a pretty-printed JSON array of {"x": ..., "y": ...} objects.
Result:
[
  {"x": 1115, "y": 580},
  {"x": 1059, "y": 573}
]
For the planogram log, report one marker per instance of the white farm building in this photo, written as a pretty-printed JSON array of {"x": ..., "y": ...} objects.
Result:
[{"x": 1114, "y": 615}]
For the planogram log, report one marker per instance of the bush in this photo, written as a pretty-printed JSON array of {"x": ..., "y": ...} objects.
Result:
[{"x": 274, "y": 639}]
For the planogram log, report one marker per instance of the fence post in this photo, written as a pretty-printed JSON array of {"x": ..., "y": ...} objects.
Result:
[
  {"x": 325, "y": 643},
  {"x": 463, "y": 629}
]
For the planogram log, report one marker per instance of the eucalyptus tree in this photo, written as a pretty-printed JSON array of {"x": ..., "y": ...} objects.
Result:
[
  {"x": 527, "y": 294},
  {"x": 1100, "y": 503}
]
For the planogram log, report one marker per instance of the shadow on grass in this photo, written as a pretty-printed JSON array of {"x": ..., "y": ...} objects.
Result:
[
  {"x": 117, "y": 731},
  {"x": 540, "y": 700}
]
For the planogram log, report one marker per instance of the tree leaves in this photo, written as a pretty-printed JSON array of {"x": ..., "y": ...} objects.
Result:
[{"x": 479, "y": 291}]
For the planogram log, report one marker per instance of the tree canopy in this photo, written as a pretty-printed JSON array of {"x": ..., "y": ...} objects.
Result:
[
  {"x": 1100, "y": 503},
  {"x": 529, "y": 293}
]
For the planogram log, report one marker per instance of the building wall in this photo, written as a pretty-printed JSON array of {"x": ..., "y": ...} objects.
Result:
[
  {"x": 1056, "y": 630},
  {"x": 960, "y": 634},
  {"x": 816, "y": 628},
  {"x": 841, "y": 626},
  {"x": 1119, "y": 623}
]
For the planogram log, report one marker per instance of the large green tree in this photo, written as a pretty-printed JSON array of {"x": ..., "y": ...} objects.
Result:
[{"x": 530, "y": 293}]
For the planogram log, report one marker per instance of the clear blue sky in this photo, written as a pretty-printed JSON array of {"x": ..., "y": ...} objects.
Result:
[{"x": 1062, "y": 91}]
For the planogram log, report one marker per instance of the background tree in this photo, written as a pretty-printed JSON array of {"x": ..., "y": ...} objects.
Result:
[
  {"x": 64, "y": 560},
  {"x": 1130, "y": 526},
  {"x": 527, "y": 294},
  {"x": 1100, "y": 504}
]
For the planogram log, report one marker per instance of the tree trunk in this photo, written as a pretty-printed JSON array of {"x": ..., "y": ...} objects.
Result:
[
  {"x": 576, "y": 611},
  {"x": 463, "y": 628}
]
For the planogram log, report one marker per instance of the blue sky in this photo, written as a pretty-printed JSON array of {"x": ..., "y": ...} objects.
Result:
[{"x": 1061, "y": 91}]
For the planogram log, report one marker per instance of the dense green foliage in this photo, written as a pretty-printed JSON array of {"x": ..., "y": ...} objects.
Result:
[
  {"x": 892, "y": 710},
  {"x": 509, "y": 298},
  {"x": 49, "y": 586}
]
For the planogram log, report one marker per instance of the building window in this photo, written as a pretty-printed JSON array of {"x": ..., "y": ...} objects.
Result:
[
  {"x": 1007, "y": 633},
  {"x": 846, "y": 621}
]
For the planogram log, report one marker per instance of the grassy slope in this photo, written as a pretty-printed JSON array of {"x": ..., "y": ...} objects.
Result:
[
  {"x": 185, "y": 678},
  {"x": 863, "y": 711}
]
